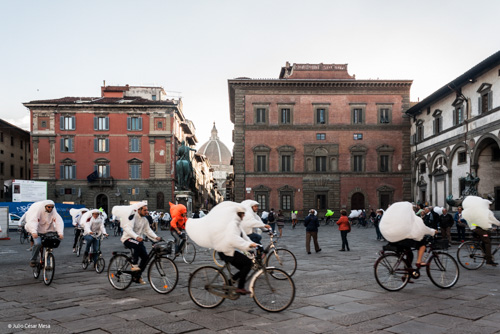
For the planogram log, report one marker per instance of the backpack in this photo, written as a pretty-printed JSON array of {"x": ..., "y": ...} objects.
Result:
[{"x": 270, "y": 218}]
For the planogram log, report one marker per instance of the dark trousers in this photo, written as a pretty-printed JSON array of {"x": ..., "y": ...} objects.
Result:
[
  {"x": 379, "y": 235},
  {"x": 242, "y": 263},
  {"x": 255, "y": 237},
  {"x": 179, "y": 241},
  {"x": 345, "y": 244},
  {"x": 77, "y": 234},
  {"x": 484, "y": 236},
  {"x": 138, "y": 251},
  {"x": 461, "y": 232},
  {"x": 314, "y": 236}
]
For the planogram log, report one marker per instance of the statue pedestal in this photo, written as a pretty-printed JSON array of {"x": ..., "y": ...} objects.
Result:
[{"x": 185, "y": 197}]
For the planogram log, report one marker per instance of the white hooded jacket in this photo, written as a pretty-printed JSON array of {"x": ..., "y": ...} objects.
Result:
[
  {"x": 95, "y": 225},
  {"x": 251, "y": 219},
  {"x": 38, "y": 221},
  {"x": 132, "y": 223}
]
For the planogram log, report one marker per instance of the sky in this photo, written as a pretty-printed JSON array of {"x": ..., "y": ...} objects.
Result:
[{"x": 53, "y": 49}]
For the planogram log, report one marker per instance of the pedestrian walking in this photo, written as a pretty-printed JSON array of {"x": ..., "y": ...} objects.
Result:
[{"x": 311, "y": 223}]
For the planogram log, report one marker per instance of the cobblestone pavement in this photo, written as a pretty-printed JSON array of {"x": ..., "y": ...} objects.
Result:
[{"x": 335, "y": 293}]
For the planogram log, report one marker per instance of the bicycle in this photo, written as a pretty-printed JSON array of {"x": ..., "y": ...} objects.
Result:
[
  {"x": 162, "y": 272},
  {"x": 117, "y": 231},
  {"x": 470, "y": 254},
  {"x": 23, "y": 235},
  {"x": 272, "y": 289},
  {"x": 47, "y": 262},
  {"x": 188, "y": 250},
  {"x": 100, "y": 264},
  {"x": 79, "y": 244},
  {"x": 280, "y": 258},
  {"x": 326, "y": 221},
  {"x": 393, "y": 271}
]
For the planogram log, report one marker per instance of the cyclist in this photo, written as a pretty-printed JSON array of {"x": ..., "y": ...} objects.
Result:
[
  {"x": 480, "y": 219},
  {"x": 42, "y": 217},
  {"x": 399, "y": 225},
  {"x": 77, "y": 215},
  {"x": 93, "y": 225},
  {"x": 294, "y": 219},
  {"x": 252, "y": 220},
  {"x": 135, "y": 227},
  {"x": 178, "y": 225}
]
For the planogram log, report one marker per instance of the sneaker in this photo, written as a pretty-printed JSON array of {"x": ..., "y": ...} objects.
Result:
[
  {"x": 308, "y": 252},
  {"x": 32, "y": 263},
  {"x": 140, "y": 281},
  {"x": 319, "y": 250},
  {"x": 135, "y": 267},
  {"x": 492, "y": 263},
  {"x": 74, "y": 250}
]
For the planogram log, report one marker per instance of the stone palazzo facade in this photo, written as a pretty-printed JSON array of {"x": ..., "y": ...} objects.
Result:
[{"x": 319, "y": 138}]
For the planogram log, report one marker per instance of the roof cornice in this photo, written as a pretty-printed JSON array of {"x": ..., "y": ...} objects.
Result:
[{"x": 319, "y": 83}]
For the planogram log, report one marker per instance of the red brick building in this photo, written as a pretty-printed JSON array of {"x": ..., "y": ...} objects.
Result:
[
  {"x": 317, "y": 137},
  {"x": 109, "y": 150}
]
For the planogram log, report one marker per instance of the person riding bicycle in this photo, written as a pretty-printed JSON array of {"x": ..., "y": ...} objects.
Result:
[
  {"x": 251, "y": 220},
  {"x": 135, "y": 227},
  {"x": 77, "y": 215},
  {"x": 400, "y": 226},
  {"x": 41, "y": 218},
  {"x": 93, "y": 228},
  {"x": 480, "y": 219},
  {"x": 220, "y": 229},
  {"x": 178, "y": 225}
]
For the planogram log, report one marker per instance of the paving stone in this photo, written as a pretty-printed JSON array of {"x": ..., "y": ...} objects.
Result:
[
  {"x": 146, "y": 312},
  {"x": 179, "y": 327},
  {"x": 416, "y": 327}
]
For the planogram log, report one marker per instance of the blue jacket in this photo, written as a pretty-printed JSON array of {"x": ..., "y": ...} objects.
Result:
[{"x": 311, "y": 223}]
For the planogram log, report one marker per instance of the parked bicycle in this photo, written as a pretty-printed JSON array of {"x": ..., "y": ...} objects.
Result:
[
  {"x": 46, "y": 262},
  {"x": 117, "y": 230},
  {"x": 272, "y": 289},
  {"x": 188, "y": 250},
  {"x": 23, "y": 235},
  {"x": 470, "y": 254},
  {"x": 393, "y": 270},
  {"x": 162, "y": 272},
  {"x": 100, "y": 263}
]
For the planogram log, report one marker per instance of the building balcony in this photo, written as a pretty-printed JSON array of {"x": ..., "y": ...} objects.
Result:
[{"x": 102, "y": 182}]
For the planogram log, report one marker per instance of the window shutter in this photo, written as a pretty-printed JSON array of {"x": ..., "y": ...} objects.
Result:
[
  {"x": 106, "y": 122},
  {"x": 61, "y": 191},
  {"x": 74, "y": 171},
  {"x": 61, "y": 122},
  {"x": 129, "y": 125},
  {"x": 62, "y": 172},
  {"x": 73, "y": 123},
  {"x": 140, "y": 123},
  {"x": 107, "y": 144},
  {"x": 490, "y": 101},
  {"x": 96, "y": 143},
  {"x": 96, "y": 123},
  {"x": 455, "y": 118},
  {"x": 412, "y": 139},
  {"x": 62, "y": 144},
  {"x": 479, "y": 105}
]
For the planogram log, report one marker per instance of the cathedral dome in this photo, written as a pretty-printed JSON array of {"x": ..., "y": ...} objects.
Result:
[{"x": 215, "y": 150}]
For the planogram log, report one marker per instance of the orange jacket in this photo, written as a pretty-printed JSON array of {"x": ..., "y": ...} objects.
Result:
[
  {"x": 178, "y": 220},
  {"x": 343, "y": 223}
]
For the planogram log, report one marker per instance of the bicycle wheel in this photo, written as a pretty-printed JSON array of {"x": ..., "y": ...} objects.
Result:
[
  {"x": 206, "y": 287},
  {"x": 171, "y": 245},
  {"x": 119, "y": 272},
  {"x": 391, "y": 272},
  {"x": 272, "y": 294},
  {"x": 116, "y": 230},
  {"x": 470, "y": 255},
  {"x": 36, "y": 270},
  {"x": 49, "y": 269},
  {"x": 189, "y": 253},
  {"x": 85, "y": 263},
  {"x": 217, "y": 259},
  {"x": 100, "y": 265},
  {"x": 283, "y": 259},
  {"x": 79, "y": 246},
  {"x": 163, "y": 275},
  {"x": 443, "y": 270},
  {"x": 21, "y": 237}
]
